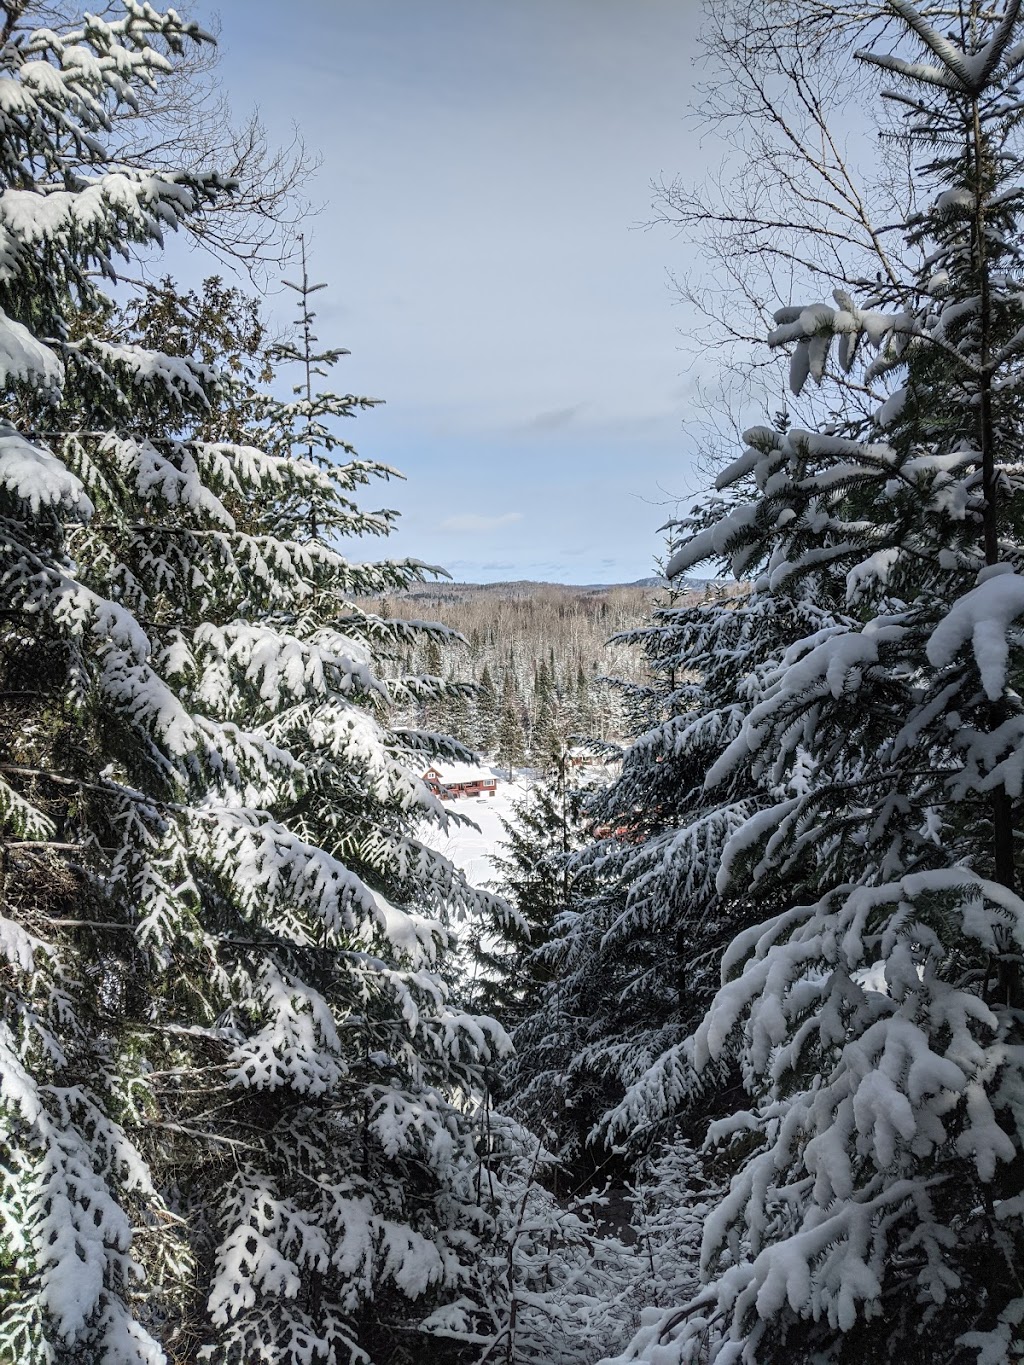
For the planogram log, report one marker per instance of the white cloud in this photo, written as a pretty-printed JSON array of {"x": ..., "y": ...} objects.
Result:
[{"x": 472, "y": 521}]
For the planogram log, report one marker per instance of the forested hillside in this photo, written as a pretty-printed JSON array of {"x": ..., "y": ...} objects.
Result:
[
  {"x": 724, "y": 1065},
  {"x": 547, "y": 660}
]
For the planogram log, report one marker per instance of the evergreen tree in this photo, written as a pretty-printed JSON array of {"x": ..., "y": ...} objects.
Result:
[
  {"x": 536, "y": 877},
  {"x": 219, "y": 327},
  {"x": 488, "y": 710},
  {"x": 636, "y": 963},
  {"x": 511, "y": 743},
  {"x": 229, "y": 1069},
  {"x": 431, "y": 708},
  {"x": 458, "y": 718},
  {"x": 91, "y": 734},
  {"x": 398, "y": 1171},
  {"x": 581, "y": 708},
  {"x": 875, "y": 1004}
]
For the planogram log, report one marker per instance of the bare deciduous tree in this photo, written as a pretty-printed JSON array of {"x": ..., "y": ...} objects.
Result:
[{"x": 807, "y": 196}]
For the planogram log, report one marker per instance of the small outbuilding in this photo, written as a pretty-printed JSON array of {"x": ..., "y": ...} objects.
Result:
[{"x": 453, "y": 780}]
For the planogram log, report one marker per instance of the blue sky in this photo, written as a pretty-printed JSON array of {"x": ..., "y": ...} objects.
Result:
[{"x": 485, "y": 166}]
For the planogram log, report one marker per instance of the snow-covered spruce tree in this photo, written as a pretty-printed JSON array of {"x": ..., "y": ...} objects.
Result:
[
  {"x": 635, "y": 961},
  {"x": 535, "y": 876},
  {"x": 78, "y": 697},
  {"x": 561, "y": 1287},
  {"x": 876, "y": 1212},
  {"x": 358, "y": 1095},
  {"x": 673, "y": 1196},
  {"x": 567, "y": 1074},
  {"x": 663, "y": 921},
  {"x": 227, "y": 1067}
]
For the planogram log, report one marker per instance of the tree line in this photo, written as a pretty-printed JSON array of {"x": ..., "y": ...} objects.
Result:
[{"x": 543, "y": 663}]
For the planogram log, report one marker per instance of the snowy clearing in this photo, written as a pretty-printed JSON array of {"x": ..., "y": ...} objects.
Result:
[{"x": 472, "y": 850}]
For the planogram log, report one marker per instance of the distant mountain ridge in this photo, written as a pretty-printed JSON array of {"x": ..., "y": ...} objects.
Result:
[{"x": 525, "y": 587}]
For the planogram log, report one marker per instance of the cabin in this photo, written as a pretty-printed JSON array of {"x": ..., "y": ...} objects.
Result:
[{"x": 454, "y": 780}]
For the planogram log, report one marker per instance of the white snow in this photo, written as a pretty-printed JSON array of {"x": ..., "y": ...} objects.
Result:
[
  {"x": 983, "y": 616},
  {"x": 24, "y": 357},
  {"x": 473, "y": 850},
  {"x": 36, "y": 476}
]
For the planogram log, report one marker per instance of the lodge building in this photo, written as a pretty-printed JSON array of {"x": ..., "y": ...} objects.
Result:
[{"x": 454, "y": 780}]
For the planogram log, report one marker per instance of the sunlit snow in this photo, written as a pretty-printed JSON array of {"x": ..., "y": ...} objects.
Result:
[{"x": 471, "y": 849}]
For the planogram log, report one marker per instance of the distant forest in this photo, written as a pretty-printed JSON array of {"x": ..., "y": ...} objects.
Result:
[{"x": 546, "y": 661}]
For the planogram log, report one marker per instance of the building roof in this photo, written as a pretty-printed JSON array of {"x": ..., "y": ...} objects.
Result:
[{"x": 459, "y": 773}]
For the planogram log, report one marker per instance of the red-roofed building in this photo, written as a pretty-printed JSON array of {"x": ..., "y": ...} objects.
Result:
[{"x": 454, "y": 780}]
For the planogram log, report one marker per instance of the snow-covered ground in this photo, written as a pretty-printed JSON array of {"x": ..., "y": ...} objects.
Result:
[{"x": 472, "y": 849}]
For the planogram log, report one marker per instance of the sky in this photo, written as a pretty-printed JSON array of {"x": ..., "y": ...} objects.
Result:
[{"x": 486, "y": 174}]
